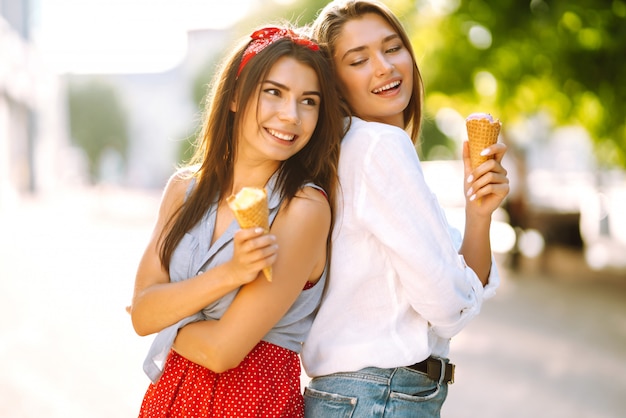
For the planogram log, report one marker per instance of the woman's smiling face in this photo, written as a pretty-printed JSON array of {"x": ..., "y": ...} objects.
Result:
[
  {"x": 375, "y": 69},
  {"x": 281, "y": 119}
]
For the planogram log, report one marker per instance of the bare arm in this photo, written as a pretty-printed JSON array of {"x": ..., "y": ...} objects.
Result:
[
  {"x": 301, "y": 230},
  {"x": 487, "y": 188},
  {"x": 158, "y": 303}
]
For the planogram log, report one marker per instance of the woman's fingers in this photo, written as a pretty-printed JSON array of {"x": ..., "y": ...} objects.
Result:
[
  {"x": 253, "y": 251},
  {"x": 488, "y": 183}
]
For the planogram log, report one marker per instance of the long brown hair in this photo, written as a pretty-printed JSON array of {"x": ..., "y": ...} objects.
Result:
[
  {"x": 216, "y": 143},
  {"x": 327, "y": 29}
]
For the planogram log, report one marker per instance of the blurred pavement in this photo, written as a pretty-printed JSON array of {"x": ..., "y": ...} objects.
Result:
[{"x": 546, "y": 346}]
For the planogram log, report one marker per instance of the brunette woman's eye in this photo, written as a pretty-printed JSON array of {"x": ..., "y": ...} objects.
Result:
[
  {"x": 357, "y": 62},
  {"x": 394, "y": 49},
  {"x": 272, "y": 91},
  {"x": 309, "y": 101}
]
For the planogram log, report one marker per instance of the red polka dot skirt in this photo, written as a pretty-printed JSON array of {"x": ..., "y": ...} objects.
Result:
[{"x": 266, "y": 384}]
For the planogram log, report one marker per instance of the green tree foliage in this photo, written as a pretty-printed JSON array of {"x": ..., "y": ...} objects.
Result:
[
  {"x": 97, "y": 122},
  {"x": 519, "y": 58}
]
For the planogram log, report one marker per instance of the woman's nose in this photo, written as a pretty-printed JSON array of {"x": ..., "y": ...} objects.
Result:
[
  {"x": 289, "y": 112},
  {"x": 382, "y": 65}
]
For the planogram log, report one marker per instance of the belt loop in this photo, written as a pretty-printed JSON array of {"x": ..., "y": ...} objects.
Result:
[{"x": 442, "y": 377}]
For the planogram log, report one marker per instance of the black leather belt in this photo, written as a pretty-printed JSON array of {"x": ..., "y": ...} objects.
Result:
[{"x": 432, "y": 368}]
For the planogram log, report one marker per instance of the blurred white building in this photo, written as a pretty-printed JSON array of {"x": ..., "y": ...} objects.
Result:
[
  {"x": 33, "y": 117},
  {"x": 36, "y": 152},
  {"x": 161, "y": 111}
]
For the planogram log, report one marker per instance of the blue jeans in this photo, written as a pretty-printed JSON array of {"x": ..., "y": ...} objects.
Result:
[{"x": 375, "y": 393}]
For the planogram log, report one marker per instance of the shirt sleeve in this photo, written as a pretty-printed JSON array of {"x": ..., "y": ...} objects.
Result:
[
  {"x": 398, "y": 208},
  {"x": 493, "y": 280}
]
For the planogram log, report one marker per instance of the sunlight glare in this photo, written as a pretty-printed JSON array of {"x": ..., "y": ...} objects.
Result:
[
  {"x": 115, "y": 36},
  {"x": 485, "y": 84},
  {"x": 439, "y": 7},
  {"x": 480, "y": 37}
]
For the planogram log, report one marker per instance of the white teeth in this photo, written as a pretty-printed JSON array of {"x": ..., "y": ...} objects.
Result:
[
  {"x": 279, "y": 135},
  {"x": 387, "y": 87}
]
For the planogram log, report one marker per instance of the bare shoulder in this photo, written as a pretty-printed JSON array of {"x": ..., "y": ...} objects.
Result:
[
  {"x": 312, "y": 193},
  {"x": 175, "y": 189},
  {"x": 309, "y": 206},
  {"x": 179, "y": 180},
  {"x": 312, "y": 198}
]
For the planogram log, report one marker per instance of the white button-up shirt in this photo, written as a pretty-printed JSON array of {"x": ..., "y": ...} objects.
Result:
[{"x": 398, "y": 289}]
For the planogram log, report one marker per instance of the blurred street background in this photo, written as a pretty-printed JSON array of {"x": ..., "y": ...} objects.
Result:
[{"x": 100, "y": 101}]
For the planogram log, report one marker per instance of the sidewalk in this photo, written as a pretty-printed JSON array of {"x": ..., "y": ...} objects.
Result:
[
  {"x": 544, "y": 347},
  {"x": 67, "y": 267}
]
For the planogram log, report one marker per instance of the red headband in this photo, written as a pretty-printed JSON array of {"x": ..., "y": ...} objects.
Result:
[{"x": 266, "y": 36}]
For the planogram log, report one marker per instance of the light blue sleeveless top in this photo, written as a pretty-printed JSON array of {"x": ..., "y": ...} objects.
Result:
[{"x": 194, "y": 255}]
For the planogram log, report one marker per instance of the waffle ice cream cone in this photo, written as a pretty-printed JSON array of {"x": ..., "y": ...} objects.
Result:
[
  {"x": 482, "y": 131},
  {"x": 251, "y": 210}
]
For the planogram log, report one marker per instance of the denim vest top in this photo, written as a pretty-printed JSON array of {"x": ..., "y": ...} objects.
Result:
[{"x": 195, "y": 254}]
